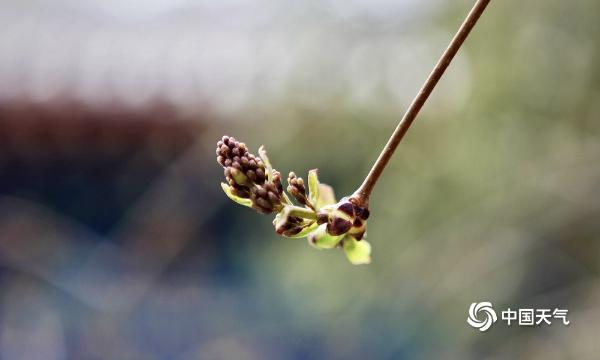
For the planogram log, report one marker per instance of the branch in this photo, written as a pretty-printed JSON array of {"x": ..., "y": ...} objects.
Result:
[{"x": 364, "y": 191}]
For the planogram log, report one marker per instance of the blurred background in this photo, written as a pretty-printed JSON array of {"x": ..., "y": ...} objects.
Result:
[{"x": 116, "y": 241}]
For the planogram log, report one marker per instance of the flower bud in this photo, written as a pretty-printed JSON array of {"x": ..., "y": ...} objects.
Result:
[
  {"x": 347, "y": 217},
  {"x": 251, "y": 181},
  {"x": 297, "y": 189},
  {"x": 341, "y": 218},
  {"x": 247, "y": 176}
]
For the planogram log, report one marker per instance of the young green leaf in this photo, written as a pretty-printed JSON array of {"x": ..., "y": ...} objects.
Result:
[
  {"x": 322, "y": 240},
  {"x": 263, "y": 155},
  {"x": 326, "y": 196},
  {"x": 237, "y": 199},
  {"x": 313, "y": 187},
  {"x": 357, "y": 252}
]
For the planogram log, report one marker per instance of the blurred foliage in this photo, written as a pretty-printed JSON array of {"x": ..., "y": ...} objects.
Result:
[{"x": 494, "y": 199}]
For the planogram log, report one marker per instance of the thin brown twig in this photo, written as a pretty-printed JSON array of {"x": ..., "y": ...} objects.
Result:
[{"x": 364, "y": 191}]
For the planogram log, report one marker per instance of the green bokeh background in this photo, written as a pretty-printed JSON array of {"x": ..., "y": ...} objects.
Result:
[{"x": 492, "y": 199}]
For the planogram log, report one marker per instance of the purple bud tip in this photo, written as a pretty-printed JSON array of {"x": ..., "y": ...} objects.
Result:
[
  {"x": 347, "y": 208},
  {"x": 338, "y": 226}
]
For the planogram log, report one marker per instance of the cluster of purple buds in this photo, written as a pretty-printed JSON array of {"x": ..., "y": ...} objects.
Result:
[
  {"x": 247, "y": 176},
  {"x": 252, "y": 182},
  {"x": 297, "y": 189}
]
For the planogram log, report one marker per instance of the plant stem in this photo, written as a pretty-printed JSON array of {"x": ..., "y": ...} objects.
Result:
[
  {"x": 293, "y": 210},
  {"x": 364, "y": 191}
]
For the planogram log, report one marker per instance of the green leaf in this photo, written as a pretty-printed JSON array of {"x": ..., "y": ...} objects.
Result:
[
  {"x": 357, "y": 252},
  {"x": 313, "y": 187},
  {"x": 237, "y": 199},
  {"x": 326, "y": 196},
  {"x": 262, "y": 152},
  {"x": 322, "y": 240}
]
